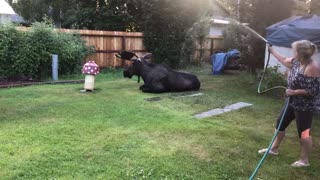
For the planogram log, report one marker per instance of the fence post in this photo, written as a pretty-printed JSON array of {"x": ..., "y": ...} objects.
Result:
[
  {"x": 123, "y": 40},
  {"x": 54, "y": 67},
  {"x": 211, "y": 46}
]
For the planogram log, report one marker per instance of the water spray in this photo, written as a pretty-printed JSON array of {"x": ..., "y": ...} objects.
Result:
[
  {"x": 249, "y": 29},
  {"x": 254, "y": 32}
]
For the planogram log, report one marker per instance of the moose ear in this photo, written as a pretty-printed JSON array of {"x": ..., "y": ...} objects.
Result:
[
  {"x": 126, "y": 55},
  {"x": 147, "y": 56}
]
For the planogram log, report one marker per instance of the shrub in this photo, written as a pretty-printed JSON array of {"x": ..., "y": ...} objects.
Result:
[
  {"x": 40, "y": 44},
  {"x": 165, "y": 25},
  {"x": 72, "y": 52},
  {"x": 195, "y": 38},
  {"x": 165, "y": 45},
  {"x": 236, "y": 37},
  {"x": 29, "y": 53},
  {"x": 10, "y": 43},
  {"x": 252, "y": 48},
  {"x": 271, "y": 79}
]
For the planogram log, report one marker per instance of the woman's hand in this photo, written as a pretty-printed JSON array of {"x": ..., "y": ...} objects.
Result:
[
  {"x": 270, "y": 49},
  {"x": 297, "y": 92},
  {"x": 290, "y": 92}
]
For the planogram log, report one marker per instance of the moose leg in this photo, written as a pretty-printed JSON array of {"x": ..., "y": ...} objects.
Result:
[
  {"x": 155, "y": 87},
  {"x": 145, "y": 88},
  {"x": 153, "y": 90},
  {"x": 142, "y": 87}
]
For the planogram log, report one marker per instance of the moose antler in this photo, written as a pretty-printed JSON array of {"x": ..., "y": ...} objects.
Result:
[{"x": 126, "y": 55}]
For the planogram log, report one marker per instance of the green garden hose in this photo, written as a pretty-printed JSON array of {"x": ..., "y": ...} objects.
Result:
[{"x": 282, "y": 117}]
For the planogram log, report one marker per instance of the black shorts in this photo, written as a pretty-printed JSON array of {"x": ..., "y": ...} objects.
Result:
[{"x": 303, "y": 119}]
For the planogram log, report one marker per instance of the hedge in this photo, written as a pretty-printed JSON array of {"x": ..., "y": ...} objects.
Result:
[{"x": 28, "y": 53}]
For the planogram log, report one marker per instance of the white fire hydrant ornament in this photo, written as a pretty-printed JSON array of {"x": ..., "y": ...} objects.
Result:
[{"x": 90, "y": 69}]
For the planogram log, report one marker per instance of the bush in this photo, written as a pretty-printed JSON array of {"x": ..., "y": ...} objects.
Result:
[
  {"x": 195, "y": 38},
  {"x": 271, "y": 79},
  {"x": 72, "y": 52},
  {"x": 252, "y": 48},
  {"x": 165, "y": 26},
  {"x": 29, "y": 53},
  {"x": 236, "y": 37},
  {"x": 40, "y": 44},
  {"x": 10, "y": 43},
  {"x": 165, "y": 46}
]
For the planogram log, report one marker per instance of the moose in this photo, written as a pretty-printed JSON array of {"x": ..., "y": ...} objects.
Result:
[{"x": 158, "y": 78}]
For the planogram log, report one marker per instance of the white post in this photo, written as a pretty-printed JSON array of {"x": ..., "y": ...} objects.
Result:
[
  {"x": 238, "y": 10},
  {"x": 54, "y": 67},
  {"x": 89, "y": 82}
]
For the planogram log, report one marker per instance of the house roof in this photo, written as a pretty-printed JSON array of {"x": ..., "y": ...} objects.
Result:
[
  {"x": 219, "y": 11},
  {"x": 8, "y": 13},
  {"x": 5, "y": 8}
]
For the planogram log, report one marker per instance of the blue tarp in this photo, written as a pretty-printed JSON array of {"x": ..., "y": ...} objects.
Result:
[
  {"x": 219, "y": 60},
  {"x": 284, "y": 33}
]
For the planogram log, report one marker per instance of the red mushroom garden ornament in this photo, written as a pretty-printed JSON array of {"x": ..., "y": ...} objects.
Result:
[{"x": 90, "y": 69}]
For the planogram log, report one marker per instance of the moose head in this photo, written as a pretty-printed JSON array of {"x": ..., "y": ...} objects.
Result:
[{"x": 135, "y": 67}]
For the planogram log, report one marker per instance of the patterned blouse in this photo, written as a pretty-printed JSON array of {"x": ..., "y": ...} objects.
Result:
[{"x": 297, "y": 80}]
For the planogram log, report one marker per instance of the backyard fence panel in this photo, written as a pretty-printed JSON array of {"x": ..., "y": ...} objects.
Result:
[{"x": 108, "y": 43}]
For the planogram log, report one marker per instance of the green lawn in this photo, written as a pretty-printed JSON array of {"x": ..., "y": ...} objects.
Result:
[{"x": 57, "y": 132}]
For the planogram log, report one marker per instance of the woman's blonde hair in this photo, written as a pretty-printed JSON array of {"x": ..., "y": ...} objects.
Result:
[{"x": 304, "y": 49}]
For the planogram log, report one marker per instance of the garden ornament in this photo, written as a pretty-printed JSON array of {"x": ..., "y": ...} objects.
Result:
[{"x": 90, "y": 69}]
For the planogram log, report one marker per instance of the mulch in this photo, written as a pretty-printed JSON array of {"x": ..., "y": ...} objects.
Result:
[{"x": 9, "y": 83}]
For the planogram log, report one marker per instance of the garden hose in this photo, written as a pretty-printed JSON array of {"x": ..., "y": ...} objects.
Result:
[
  {"x": 282, "y": 117},
  {"x": 262, "y": 78}
]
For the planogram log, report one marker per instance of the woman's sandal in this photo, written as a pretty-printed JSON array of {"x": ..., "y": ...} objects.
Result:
[
  {"x": 262, "y": 151},
  {"x": 300, "y": 164}
]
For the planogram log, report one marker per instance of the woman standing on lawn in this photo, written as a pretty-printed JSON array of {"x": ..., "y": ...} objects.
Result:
[{"x": 303, "y": 89}]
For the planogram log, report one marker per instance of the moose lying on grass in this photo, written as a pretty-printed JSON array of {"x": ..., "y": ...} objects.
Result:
[{"x": 157, "y": 78}]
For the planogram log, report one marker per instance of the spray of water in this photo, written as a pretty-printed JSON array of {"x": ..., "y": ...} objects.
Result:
[{"x": 249, "y": 29}]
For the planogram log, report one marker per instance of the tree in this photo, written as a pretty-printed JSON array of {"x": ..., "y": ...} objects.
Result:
[
  {"x": 165, "y": 24},
  {"x": 259, "y": 14},
  {"x": 80, "y": 14},
  {"x": 266, "y": 13}
]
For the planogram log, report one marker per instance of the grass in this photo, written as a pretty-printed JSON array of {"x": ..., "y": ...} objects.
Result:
[{"x": 56, "y": 132}]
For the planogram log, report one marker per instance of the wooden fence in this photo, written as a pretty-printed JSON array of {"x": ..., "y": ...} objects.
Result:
[{"x": 108, "y": 43}]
